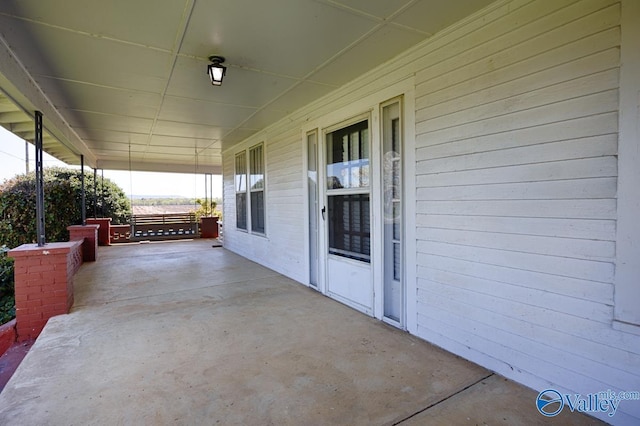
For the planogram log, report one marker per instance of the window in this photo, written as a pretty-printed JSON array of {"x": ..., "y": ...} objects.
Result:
[
  {"x": 256, "y": 176},
  {"x": 349, "y": 234},
  {"x": 348, "y": 192},
  {"x": 249, "y": 179},
  {"x": 348, "y": 157},
  {"x": 241, "y": 190}
]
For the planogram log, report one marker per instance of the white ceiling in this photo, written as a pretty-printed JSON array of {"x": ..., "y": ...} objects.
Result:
[{"x": 128, "y": 78}]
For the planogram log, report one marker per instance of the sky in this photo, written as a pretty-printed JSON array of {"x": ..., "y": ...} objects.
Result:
[{"x": 12, "y": 162}]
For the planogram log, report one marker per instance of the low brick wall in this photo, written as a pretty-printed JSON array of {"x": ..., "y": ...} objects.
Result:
[
  {"x": 89, "y": 235},
  {"x": 43, "y": 283},
  {"x": 120, "y": 233},
  {"x": 7, "y": 335}
]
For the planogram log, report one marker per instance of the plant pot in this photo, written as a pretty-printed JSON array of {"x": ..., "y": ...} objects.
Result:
[{"x": 209, "y": 227}]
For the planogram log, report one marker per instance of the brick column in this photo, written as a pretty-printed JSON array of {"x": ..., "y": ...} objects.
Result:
[
  {"x": 43, "y": 283},
  {"x": 88, "y": 233},
  {"x": 104, "y": 233}
]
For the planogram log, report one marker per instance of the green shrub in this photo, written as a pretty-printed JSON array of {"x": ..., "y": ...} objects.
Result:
[
  {"x": 7, "y": 300},
  {"x": 63, "y": 197}
]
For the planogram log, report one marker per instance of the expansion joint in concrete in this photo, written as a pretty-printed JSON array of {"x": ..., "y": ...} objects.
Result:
[{"x": 440, "y": 401}]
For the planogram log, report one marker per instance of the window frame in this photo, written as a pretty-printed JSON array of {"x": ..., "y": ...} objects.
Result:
[
  {"x": 241, "y": 159},
  {"x": 261, "y": 189},
  {"x": 246, "y": 191},
  {"x": 351, "y": 191}
]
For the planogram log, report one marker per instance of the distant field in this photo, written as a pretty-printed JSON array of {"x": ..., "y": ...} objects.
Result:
[{"x": 163, "y": 209}]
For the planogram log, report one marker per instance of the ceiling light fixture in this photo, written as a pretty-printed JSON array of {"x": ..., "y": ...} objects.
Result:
[{"x": 216, "y": 70}]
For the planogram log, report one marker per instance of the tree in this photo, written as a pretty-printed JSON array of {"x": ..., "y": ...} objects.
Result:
[{"x": 63, "y": 198}]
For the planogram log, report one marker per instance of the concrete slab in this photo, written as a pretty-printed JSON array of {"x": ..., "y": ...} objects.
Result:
[
  {"x": 494, "y": 400},
  {"x": 183, "y": 333}
]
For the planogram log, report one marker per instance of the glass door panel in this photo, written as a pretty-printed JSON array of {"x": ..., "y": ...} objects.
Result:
[
  {"x": 347, "y": 216},
  {"x": 393, "y": 212},
  {"x": 348, "y": 192},
  {"x": 312, "y": 182}
]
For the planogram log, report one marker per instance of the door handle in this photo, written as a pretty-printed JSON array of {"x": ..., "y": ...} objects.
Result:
[{"x": 324, "y": 208}]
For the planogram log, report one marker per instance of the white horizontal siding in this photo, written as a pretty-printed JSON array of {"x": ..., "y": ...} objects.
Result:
[
  {"x": 576, "y": 208},
  {"x": 282, "y": 248},
  {"x": 516, "y": 163},
  {"x": 498, "y": 325},
  {"x": 602, "y": 230},
  {"x": 516, "y": 144},
  {"x": 534, "y": 280},
  {"x": 565, "y": 130},
  {"x": 523, "y": 33},
  {"x": 584, "y": 249},
  {"x": 563, "y": 266},
  {"x": 587, "y": 147}
]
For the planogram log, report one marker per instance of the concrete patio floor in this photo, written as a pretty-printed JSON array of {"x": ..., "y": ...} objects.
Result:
[{"x": 183, "y": 333}]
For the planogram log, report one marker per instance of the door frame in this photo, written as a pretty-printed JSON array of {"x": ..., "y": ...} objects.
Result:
[
  {"x": 401, "y": 323},
  {"x": 349, "y": 108}
]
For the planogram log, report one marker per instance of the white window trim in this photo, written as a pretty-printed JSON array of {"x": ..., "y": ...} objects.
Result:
[
  {"x": 627, "y": 286},
  {"x": 263, "y": 190},
  {"x": 236, "y": 192}
]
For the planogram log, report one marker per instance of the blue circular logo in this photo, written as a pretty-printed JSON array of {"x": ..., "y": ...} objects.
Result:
[{"x": 546, "y": 402}]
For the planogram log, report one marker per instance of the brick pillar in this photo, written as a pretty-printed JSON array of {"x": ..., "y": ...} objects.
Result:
[
  {"x": 43, "y": 283},
  {"x": 104, "y": 233},
  {"x": 88, "y": 233}
]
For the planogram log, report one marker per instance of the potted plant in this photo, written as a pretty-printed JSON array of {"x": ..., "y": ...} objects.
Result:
[{"x": 208, "y": 222}]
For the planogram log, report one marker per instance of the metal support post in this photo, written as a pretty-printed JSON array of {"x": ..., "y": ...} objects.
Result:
[
  {"x": 26, "y": 156},
  {"x": 95, "y": 193},
  {"x": 206, "y": 195},
  {"x": 83, "y": 207},
  {"x": 102, "y": 194},
  {"x": 40, "y": 232}
]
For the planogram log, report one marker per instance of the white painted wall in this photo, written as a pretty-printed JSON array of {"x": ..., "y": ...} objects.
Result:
[
  {"x": 516, "y": 136},
  {"x": 282, "y": 249},
  {"x": 516, "y": 179}
]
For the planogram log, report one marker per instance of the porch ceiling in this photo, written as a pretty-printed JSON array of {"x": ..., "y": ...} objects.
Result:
[{"x": 124, "y": 83}]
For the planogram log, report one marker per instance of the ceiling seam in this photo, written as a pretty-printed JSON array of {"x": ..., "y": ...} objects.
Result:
[
  {"x": 108, "y": 114},
  {"x": 146, "y": 92},
  {"x": 85, "y": 33},
  {"x": 381, "y": 23},
  {"x": 177, "y": 46},
  {"x": 102, "y": 86},
  {"x": 181, "y": 55},
  {"x": 362, "y": 13},
  {"x": 130, "y": 132},
  {"x": 353, "y": 10}
]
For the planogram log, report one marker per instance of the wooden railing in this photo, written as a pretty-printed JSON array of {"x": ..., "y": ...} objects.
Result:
[
  {"x": 120, "y": 233},
  {"x": 164, "y": 226}
]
